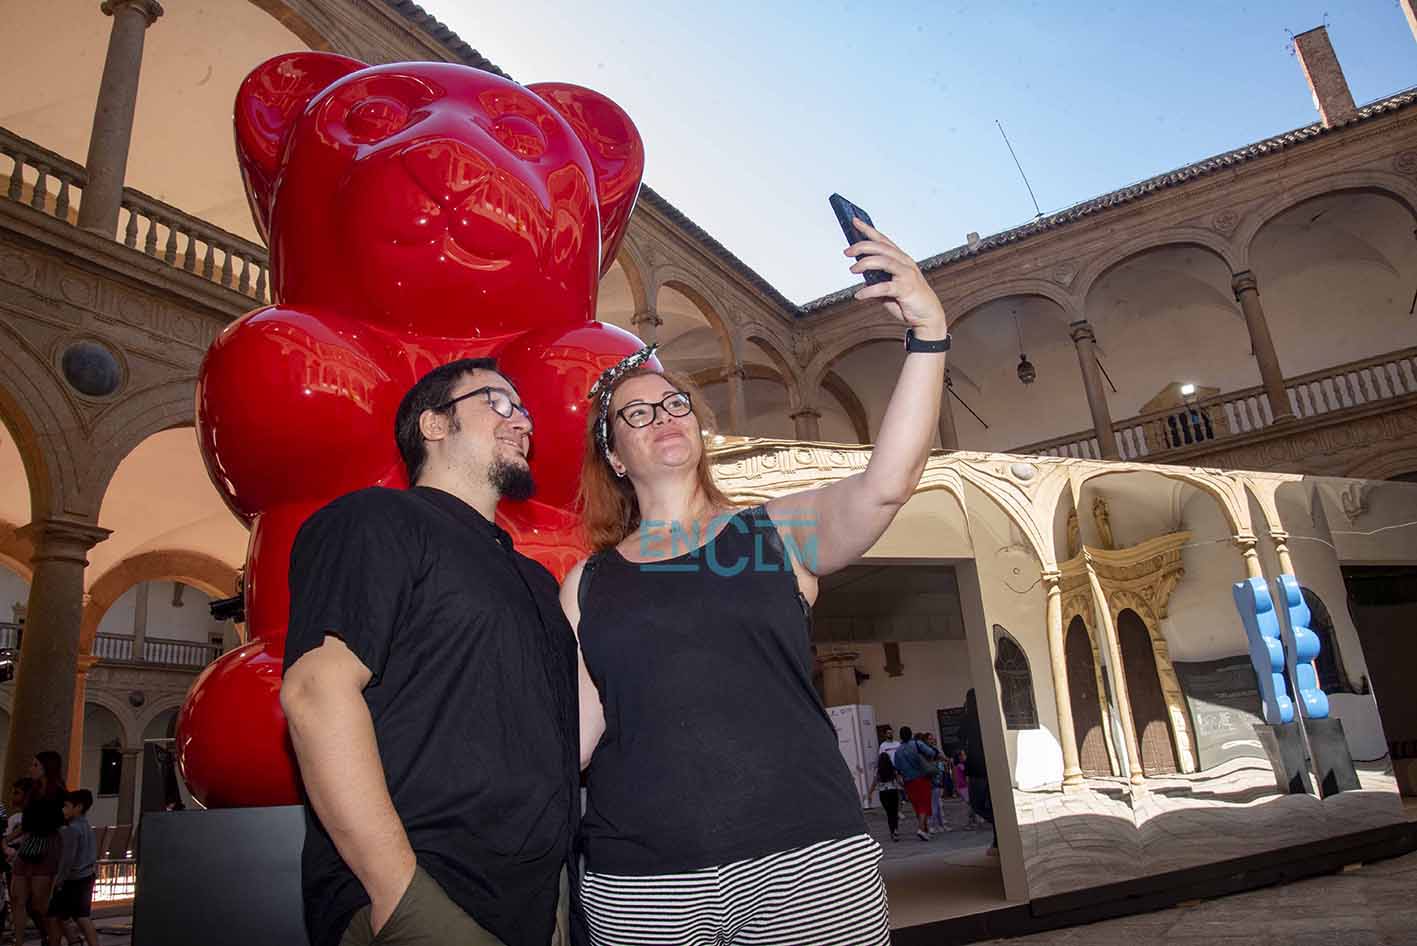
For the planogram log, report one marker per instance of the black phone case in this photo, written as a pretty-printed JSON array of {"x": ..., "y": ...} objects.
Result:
[{"x": 845, "y": 210}]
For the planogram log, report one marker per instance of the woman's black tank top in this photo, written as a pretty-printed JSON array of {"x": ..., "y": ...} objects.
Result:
[{"x": 716, "y": 746}]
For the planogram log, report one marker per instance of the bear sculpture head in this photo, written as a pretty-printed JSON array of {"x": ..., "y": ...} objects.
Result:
[{"x": 433, "y": 199}]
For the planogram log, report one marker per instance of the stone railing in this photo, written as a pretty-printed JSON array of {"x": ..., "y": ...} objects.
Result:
[
  {"x": 1225, "y": 417},
  {"x": 156, "y": 650},
  {"x": 53, "y": 185}
]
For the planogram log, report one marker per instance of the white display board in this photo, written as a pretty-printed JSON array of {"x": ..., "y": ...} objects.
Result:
[{"x": 856, "y": 739}]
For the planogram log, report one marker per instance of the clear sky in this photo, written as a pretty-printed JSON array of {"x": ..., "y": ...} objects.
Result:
[{"x": 752, "y": 113}]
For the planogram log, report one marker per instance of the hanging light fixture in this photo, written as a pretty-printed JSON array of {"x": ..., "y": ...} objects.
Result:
[{"x": 1026, "y": 372}]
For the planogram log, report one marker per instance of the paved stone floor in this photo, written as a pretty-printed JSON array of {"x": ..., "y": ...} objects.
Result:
[{"x": 1372, "y": 905}]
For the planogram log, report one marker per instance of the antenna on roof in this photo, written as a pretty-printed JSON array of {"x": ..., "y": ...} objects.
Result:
[{"x": 1020, "y": 169}]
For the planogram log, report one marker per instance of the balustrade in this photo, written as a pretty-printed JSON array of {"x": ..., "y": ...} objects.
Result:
[
  {"x": 1226, "y": 416},
  {"x": 156, "y": 650},
  {"x": 53, "y": 185}
]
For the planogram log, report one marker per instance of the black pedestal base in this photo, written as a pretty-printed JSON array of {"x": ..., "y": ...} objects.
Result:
[
  {"x": 1284, "y": 744},
  {"x": 228, "y": 877},
  {"x": 1332, "y": 761}
]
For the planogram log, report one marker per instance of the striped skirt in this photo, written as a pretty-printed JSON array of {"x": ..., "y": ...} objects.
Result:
[{"x": 826, "y": 894}]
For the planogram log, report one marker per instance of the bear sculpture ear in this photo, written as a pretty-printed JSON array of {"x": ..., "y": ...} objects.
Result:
[
  {"x": 615, "y": 150},
  {"x": 268, "y": 103}
]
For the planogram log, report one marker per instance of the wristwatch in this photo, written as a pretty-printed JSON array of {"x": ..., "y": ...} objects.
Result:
[{"x": 919, "y": 344}]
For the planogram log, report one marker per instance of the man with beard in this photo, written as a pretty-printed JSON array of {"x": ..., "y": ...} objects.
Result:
[{"x": 430, "y": 686}]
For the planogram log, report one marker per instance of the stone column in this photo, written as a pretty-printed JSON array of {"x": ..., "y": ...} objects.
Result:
[
  {"x": 75, "y": 758},
  {"x": 1247, "y": 293},
  {"x": 646, "y": 325},
  {"x": 949, "y": 437},
  {"x": 1086, "y": 342},
  {"x": 1062, "y": 695},
  {"x": 128, "y": 785},
  {"x": 1119, "y": 673},
  {"x": 1246, "y": 544},
  {"x": 808, "y": 423},
  {"x": 113, "y": 115},
  {"x": 1281, "y": 551},
  {"x": 737, "y": 376},
  {"x": 42, "y": 716},
  {"x": 839, "y": 686}
]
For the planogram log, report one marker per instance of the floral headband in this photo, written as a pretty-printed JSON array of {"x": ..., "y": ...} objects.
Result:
[{"x": 604, "y": 387}]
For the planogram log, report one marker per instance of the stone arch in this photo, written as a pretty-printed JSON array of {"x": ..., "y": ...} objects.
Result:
[
  {"x": 1208, "y": 240},
  {"x": 1228, "y": 491},
  {"x": 126, "y": 425},
  {"x": 293, "y": 20},
  {"x": 634, "y": 269},
  {"x": 684, "y": 284},
  {"x": 1015, "y": 678},
  {"x": 30, "y": 402},
  {"x": 1378, "y": 182},
  {"x": 832, "y": 384},
  {"x": 833, "y": 352},
  {"x": 209, "y": 575},
  {"x": 1385, "y": 465},
  {"x": 777, "y": 349},
  {"x": 968, "y": 305},
  {"x": 835, "y": 385},
  {"x": 127, "y": 719},
  {"x": 167, "y": 702},
  {"x": 1181, "y": 735},
  {"x": 15, "y": 552},
  {"x": 1086, "y": 697}
]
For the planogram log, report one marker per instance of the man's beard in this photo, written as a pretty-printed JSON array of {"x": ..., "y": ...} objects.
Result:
[{"x": 512, "y": 481}]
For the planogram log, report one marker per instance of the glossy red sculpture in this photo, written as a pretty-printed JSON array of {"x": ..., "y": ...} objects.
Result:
[{"x": 415, "y": 213}]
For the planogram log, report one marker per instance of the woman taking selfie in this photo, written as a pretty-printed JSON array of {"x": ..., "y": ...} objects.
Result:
[{"x": 719, "y": 807}]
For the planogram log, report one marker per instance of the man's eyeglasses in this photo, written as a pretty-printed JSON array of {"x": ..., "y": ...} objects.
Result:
[
  {"x": 499, "y": 399},
  {"x": 641, "y": 414}
]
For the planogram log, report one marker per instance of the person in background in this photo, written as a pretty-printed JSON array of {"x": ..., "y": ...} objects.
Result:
[
  {"x": 19, "y": 794},
  {"x": 37, "y": 842},
  {"x": 912, "y": 761},
  {"x": 889, "y": 743},
  {"x": 73, "y": 881},
  {"x": 975, "y": 769},
  {"x": 937, "y": 782},
  {"x": 887, "y": 782}
]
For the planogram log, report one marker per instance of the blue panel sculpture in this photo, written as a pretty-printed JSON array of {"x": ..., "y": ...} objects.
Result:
[
  {"x": 1301, "y": 647},
  {"x": 1262, "y": 628}
]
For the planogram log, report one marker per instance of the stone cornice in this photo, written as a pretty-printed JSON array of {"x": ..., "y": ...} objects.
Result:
[{"x": 111, "y": 258}]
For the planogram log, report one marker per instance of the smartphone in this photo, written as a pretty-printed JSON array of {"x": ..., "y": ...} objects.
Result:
[{"x": 845, "y": 211}]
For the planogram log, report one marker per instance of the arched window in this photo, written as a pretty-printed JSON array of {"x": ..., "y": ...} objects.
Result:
[
  {"x": 1015, "y": 682},
  {"x": 1332, "y": 678}
]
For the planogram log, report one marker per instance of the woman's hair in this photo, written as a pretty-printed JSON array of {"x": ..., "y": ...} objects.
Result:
[
  {"x": 52, "y": 783},
  {"x": 607, "y": 503},
  {"x": 885, "y": 768}
]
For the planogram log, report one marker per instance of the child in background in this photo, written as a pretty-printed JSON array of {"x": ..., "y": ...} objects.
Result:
[
  {"x": 19, "y": 795},
  {"x": 78, "y": 860}
]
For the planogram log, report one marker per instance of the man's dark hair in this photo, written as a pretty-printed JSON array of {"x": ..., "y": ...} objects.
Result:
[
  {"x": 433, "y": 389},
  {"x": 81, "y": 797},
  {"x": 906, "y": 734}
]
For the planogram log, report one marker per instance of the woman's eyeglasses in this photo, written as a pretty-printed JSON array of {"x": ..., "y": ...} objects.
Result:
[
  {"x": 499, "y": 399},
  {"x": 640, "y": 414}
]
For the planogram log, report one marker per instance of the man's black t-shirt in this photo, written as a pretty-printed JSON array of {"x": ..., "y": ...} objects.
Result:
[{"x": 473, "y": 699}]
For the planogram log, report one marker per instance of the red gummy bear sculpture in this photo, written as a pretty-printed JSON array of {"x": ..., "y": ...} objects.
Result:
[{"x": 415, "y": 213}]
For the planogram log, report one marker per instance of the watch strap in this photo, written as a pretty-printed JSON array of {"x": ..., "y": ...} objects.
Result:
[{"x": 919, "y": 344}]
